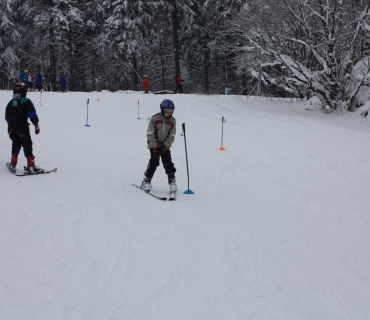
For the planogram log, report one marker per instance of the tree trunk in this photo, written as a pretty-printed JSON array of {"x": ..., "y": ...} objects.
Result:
[
  {"x": 53, "y": 61},
  {"x": 162, "y": 61},
  {"x": 175, "y": 37},
  {"x": 136, "y": 80},
  {"x": 71, "y": 67},
  {"x": 206, "y": 75}
]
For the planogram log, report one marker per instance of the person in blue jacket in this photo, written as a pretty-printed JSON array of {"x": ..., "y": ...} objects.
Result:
[
  {"x": 23, "y": 77},
  {"x": 63, "y": 81},
  {"x": 38, "y": 81}
]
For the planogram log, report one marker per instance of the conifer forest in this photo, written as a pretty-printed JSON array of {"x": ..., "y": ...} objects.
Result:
[{"x": 274, "y": 48}]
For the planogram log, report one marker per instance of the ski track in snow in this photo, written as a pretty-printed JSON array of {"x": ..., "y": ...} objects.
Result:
[{"x": 278, "y": 227}]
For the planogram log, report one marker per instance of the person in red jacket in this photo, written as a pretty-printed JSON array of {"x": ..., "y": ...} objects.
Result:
[
  {"x": 178, "y": 82},
  {"x": 146, "y": 83}
]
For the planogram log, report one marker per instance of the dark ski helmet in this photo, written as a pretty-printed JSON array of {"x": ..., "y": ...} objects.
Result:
[
  {"x": 21, "y": 88},
  {"x": 167, "y": 105}
]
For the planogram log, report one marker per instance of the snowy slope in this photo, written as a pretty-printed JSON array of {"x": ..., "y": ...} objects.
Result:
[{"x": 278, "y": 227}]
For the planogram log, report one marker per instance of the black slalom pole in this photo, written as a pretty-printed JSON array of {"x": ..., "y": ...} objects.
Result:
[
  {"x": 186, "y": 153},
  {"x": 87, "y": 114}
]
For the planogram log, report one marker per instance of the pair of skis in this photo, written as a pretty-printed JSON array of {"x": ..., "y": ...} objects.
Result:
[
  {"x": 30, "y": 174},
  {"x": 171, "y": 198}
]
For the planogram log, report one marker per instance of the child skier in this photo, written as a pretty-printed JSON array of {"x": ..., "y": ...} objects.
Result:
[
  {"x": 160, "y": 136},
  {"x": 18, "y": 110}
]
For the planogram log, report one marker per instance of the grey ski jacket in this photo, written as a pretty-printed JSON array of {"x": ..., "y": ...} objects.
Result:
[{"x": 161, "y": 131}]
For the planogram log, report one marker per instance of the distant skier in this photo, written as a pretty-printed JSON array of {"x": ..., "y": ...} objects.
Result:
[
  {"x": 146, "y": 83},
  {"x": 30, "y": 81},
  {"x": 23, "y": 77},
  {"x": 18, "y": 110},
  {"x": 63, "y": 81},
  {"x": 38, "y": 81},
  {"x": 178, "y": 83},
  {"x": 227, "y": 89},
  {"x": 160, "y": 136}
]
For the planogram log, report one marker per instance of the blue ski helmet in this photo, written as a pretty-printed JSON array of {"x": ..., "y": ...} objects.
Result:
[{"x": 167, "y": 105}]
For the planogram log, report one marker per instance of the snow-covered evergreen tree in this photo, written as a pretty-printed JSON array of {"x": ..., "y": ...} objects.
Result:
[
  {"x": 9, "y": 42},
  {"x": 316, "y": 41},
  {"x": 56, "y": 21},
  {"x": 128, "y": 29}
]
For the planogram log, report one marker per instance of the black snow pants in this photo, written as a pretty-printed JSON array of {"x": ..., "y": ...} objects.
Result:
[
  {"x": 178, "y": 88},
  {"x": 154, "y": 163},
  {"x": 19, "y": 133}
]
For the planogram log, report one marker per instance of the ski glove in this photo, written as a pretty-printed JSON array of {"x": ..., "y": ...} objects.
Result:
[
  {"x": 162, "y": 150},
  {"x": 155, "y": 153},
  {"x": 37, "y": 128}
]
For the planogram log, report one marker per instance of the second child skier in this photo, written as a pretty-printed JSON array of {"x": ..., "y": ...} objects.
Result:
[{"x": 160, "y": 137}]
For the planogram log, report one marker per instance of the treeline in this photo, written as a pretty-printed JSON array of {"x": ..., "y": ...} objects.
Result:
[
  {"x": 290, "y": 47},
  {"x": 113, "y": 44}
]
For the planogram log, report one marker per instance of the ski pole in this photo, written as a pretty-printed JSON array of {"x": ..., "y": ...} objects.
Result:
[
  {"x": 138, "y": 107},
  {"x": 186, "y": 153},
  {"x": 87, "y": 114},
  {"x": 222, "y": 135}
]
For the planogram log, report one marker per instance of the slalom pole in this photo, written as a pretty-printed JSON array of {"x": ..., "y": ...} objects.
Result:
[
  {"x": 97, "y": 90},
  {"x": 187, "y": 166},
  {"x": 87, "y": 114},
  {"x": 138, "y": 107},
  {"x": 41, "y": 98},
  {"x": 222, "y": 135}
]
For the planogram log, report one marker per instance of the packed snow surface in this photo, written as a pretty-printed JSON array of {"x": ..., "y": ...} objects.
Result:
[{"x": 278, "y": 227}]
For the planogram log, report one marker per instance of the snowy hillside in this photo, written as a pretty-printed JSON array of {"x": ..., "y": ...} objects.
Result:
[{"x": 278, "y": 227}]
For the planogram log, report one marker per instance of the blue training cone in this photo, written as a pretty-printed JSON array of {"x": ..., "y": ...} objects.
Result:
[{"x": 188, "y": 192}]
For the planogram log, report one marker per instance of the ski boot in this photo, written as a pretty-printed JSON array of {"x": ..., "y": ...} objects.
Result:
[
  {"x": 172, "y": 183},
  {"x": 31, "y": 167},
  {"x": 146, "y": 185},
  {"x": 13, "y": 163}
]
